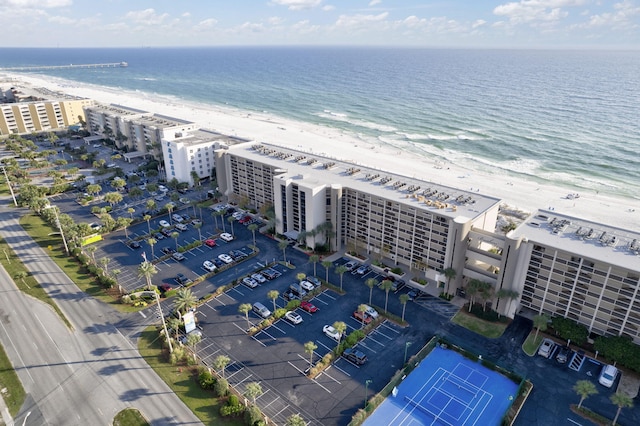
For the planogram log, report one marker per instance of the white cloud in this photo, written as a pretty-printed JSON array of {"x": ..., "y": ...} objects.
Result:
[
  {"x": 186, "y": 15},
  {"x": 297, "y": 4},
  {"x": 328, "y": 8},
  {"x": 275, "y": 20},
  {"x": 146, "y": 17},
  {"x": 531, "y": 11},
  {"x": 40, "y": 4},
  {"x": 621, "y": 18},
  {"x": 206, "y": 24},
  {"x": 374, "y": 2},
  {"x": 478, "y": 23},
  {"x": 61, "y": 20},
  {"x": 355, "y": 21}
]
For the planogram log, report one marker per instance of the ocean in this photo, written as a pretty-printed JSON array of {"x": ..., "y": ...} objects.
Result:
[{"x": 565, "y": 118}]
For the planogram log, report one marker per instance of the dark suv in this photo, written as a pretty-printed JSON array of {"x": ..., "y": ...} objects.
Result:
[
  {"x": 355, "y": 356},
  {"x": 183, "y": 280}
]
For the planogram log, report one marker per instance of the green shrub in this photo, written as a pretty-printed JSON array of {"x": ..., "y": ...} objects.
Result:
[
  {"x": 397, "y": 271},
  {"x": 293, "y": 304},
  {"x": 233, "y": 400},
  {"x": 231, "y": 410},
  {"x": 327, "y": 358},
  {"x": 279, "y": 313},
  {"x": 253, "y": 416},
  {"x": 221, "y": 387},
  {"x": 206, "y": 379}
]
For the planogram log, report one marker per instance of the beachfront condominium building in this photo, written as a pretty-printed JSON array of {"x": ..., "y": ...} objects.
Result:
[
  {"x": 569, "y": 267},
  {"x": 137, "y": 132},
  {"x": 41, "y": 115},
  {"x": 400, "y": 220},
  {"x": 192, "y": 154}
]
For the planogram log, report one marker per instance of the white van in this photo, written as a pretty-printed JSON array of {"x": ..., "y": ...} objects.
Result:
[
  {"x": 608, "y": 375},
  {"x": 261, "y": 310}
]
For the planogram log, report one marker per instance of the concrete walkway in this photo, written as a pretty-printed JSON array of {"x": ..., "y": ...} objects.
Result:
[{"x": 6, "y": 416}]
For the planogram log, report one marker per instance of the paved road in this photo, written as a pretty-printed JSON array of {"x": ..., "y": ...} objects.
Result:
[{"x": 78, "y": 377}]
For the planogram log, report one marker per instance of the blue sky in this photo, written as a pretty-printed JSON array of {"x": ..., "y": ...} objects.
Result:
[{"x": 602, "y": 24}]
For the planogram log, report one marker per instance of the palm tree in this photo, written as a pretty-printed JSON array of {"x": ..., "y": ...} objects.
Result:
[
  {"x": 386, "y": 286},
  {"x": 253, "y": 391},
  {"x": 175, "y": 236},
  {"x": 147, "y": 218},
  {"x": 340, "y": 270},
  {"x": 362, "y": 309},
  {"x": 169, "y": 208},
  {"x": 198, "y": 226},
  {"x": 104, "y": 261},
  {"x": 244, "y": 309},
  {"x": 184, "y": 300},
  {"x": 622, "y": 401},
  {"x": 340, "y": 327},
  {"x": 449, "y": 274},
  {"x": 174, "y": 324},
  {"x": 314, "y": 258},
  {"x": 131, "y": 211},
  {"x": 472, "y": 289},
  {"x": 273, "y": 295},
  {"x": 147, "y": 270},
  {"x": 295, "y": 420},
  {"x": 92, "y": 252},
  {"x": 282, "y": 245},
  {"x": 327, "y": 264},
  {"x": 404, "y": 298},
  {"x": 301, "y": 276},
  {"x": 584, "y": 388},
  {"x": 152, "y": 242},
  {"x": 231, "y": 219},
  {"x": 540, "y": 322},
  {"x": 505, "y": 294},
  {"x": 309, "y": 347},
  {"x": 253, "y": 227},
  {"x": 371, "y": 282},
  {"x": 220, "y": 363},
  {"x": 485, "y": 293}
]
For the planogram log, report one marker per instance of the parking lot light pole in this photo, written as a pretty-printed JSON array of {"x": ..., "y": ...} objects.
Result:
[
  {"x": 64, "y": 240},
  {"x": 164, "y": 323},
  {"x": 406, "y": 346},
  {"x": 366, "y": 391}
]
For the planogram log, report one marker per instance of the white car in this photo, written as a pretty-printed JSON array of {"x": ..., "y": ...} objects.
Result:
[
  {"x": 162, "y": 188},
  {"x": 225, "y": 258},
  {"x": 545, "y": 348},
  {"x": 249, "y": 282},
  {"x": 329, "y": 331},
  {"x": 178, "y": 256},
  {"x": 259, "y": 278},
  {"x": 307, "y": 285},
  {"x": 164, "y": 224},
  {"x": 608, "y": 376},
  {"x": 181, "y": 227},
  {"x": 371, "y": 312},
  {"x": 177, "y": 218},
  {"x": 209, "y": 266},
  {"x": 293, "y": 318},
  {"x": 226, "y": 237}
]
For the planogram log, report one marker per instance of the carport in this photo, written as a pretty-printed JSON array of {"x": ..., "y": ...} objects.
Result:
[{"x": 135, "y": 154}]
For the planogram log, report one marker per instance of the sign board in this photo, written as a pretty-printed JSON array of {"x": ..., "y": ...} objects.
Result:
[{"x": 189, "y": 322}]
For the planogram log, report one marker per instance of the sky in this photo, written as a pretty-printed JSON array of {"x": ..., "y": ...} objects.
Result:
[{"x": 536, "y": 24}]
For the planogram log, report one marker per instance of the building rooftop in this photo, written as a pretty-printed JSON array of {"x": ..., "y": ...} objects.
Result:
[
  {"x": 195, "y": 137},
  {"x": 613, "y": 245},
  {"x": 117, "y": 110},
  {"x": 411, "y": 191},
  {"x": 13, "y": 93},
  {"x": 161, "y": 121}
]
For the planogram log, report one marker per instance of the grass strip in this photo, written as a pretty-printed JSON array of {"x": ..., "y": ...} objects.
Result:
[
  {"x": 41, "y": 233},
  {"x": 14, "y": 395},
  {"x": 484, "y": 328},
  {"x": 531, "y": 344},
  {"x": 182, "y": 380},
  {"x": 129, "y": 417}
]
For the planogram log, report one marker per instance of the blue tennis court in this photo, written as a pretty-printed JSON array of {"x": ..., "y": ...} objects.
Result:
[{"x": 447, "y": 389}]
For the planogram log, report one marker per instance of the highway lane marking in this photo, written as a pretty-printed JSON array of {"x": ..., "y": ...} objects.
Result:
[
  {"x": 143, "y": 315},
  {"x": 17, "y": 352},
  {"x": 54, "y": 342}
]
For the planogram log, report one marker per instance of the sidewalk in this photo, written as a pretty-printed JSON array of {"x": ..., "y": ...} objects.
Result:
[{"x": 6, "y": 417}]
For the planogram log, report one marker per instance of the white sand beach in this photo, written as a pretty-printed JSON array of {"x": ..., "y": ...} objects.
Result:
[{"x": 517, "y": 193}]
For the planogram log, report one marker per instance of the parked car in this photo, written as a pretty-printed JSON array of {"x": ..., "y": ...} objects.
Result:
[
  {"x": 184, "y": 200},
  {"x": 249, "y": 282},
  {"x": 219, "y": 263},
  {"x": 259, "y": 278},
  {"x": 164, "y": 224},
  {"x": 362, "y": 317},
  {"x": 226, "y": 237},
  {"x": 546, "y": 347},
  {"x": 178, "y": 256},
  {"x": 183, "y": 280},
  {"x": 315, "y": 281},
  {"x": 355, "y": 356},
  {"x": 225, "y": 258},
  {"x": 309, "y": 307},
  {"x": 371, "y": 312},
  {"x": 563, "y": 355},
  {"x": 167, "y": 232},
  {"x": 261, "y": 310},
  {"x": 608, "y": 376},
  {"x": 296, "y": 289},
  {"x": 181, "y": 227},
  {"x": 362, "y": 269},
  {"x": 158, "y": 236},
  {"x": 351, "y": 265},
  {"x": 209, "y": 266},
  {"x": 210, "y": 242},
  {"x": 196, "y": 222},
  {"x": 168, "y": 250},
  {"x": 134, "y": 245},
  {"x": 270, "y": 274},
  {"x": 293, "y": 317},
  {"x": 331, "y": 332},
  {"x": 307, "y": 285},
  {"x": 177, "y": 218},
  {"x": 287, "y": 296},
  {"x": 163, "y": 288}
]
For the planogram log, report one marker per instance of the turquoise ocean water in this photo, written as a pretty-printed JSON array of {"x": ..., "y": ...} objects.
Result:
[{"x": 567, "y": 118}]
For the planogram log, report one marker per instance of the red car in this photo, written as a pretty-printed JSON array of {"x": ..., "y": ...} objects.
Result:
[
  {"x": 245, "y": 219},
  {"x": 309, "y": 307},
  {"x": 362, "y": 317},
  {"x": 210, "y": 242}
]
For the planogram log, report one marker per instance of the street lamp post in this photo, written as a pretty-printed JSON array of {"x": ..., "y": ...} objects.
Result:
[
  {"x": 406, "y": 346},
  {"x": 6, "y": 176},
  {"x": 366, "y": 390}
]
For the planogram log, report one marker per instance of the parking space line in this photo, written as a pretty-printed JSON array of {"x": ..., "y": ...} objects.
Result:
[
  {"x": 272, "y": 401},
  {"x": 244, "y": 331},
  {"x": 265, "y": 332},
  {"x": 324, "y": 346},
  {"x": 315, "y": 299},
  {"x": 371, "y": 338},
  {"x": 344, "y": 372},
  {"x": 234, "y": 373},
  {"x": 304, "y": 374},
  {"x": 361, "y": 343},
  {"x": 240, "y": 382},
  {"x": 384, "y": 324},
  {"x": 326, "y": 373},
  {"x": 326, "y": 294},
  {"x": 237, "y": 291},
  {"x": 279, "y": 329},
  {"x": 278, "y": 413},
  {"x": 376, "y": 331}
]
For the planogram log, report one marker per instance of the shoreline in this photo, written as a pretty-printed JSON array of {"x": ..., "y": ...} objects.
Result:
[{"x": 516, "y": 192}]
